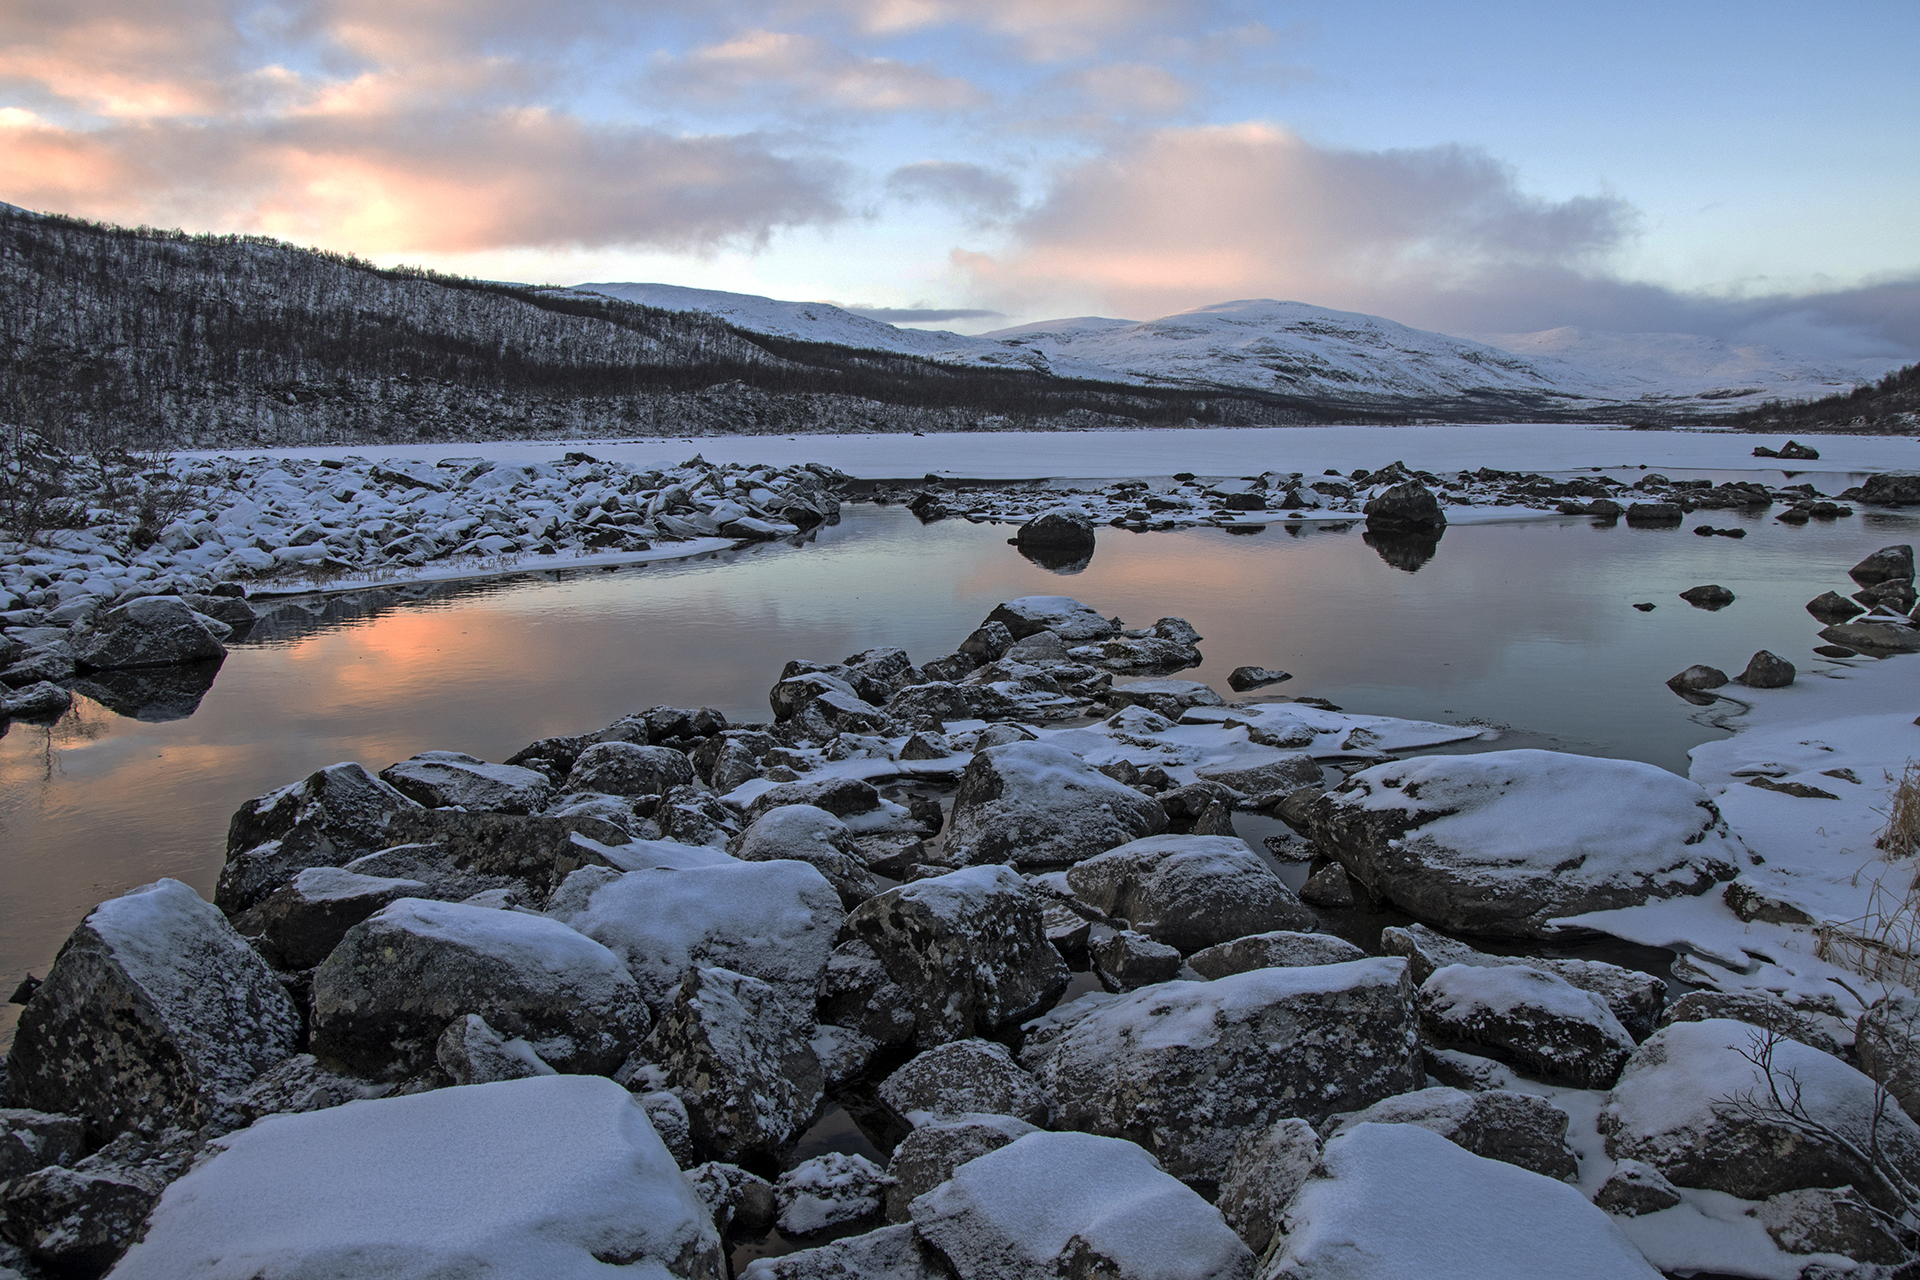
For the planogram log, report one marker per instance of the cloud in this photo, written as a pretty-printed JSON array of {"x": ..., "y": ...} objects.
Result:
[
  {"x": 424, "y": 182},
  {"x": 1045, "y": 32},
  {"x": 924, "y": 315},
  {"x": 122, "y": 58},
  {"x": 971, "y": 189},
  {"x": 811, "y": 71},
  {"x": 1131, "y": 89}
]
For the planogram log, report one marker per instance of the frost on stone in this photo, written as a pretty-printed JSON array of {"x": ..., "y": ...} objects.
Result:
[{"x": 828, "y": 1191}]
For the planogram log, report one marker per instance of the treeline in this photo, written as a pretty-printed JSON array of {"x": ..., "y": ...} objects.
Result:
[
  {"x": 155, "y": 338},
  {"x": 1891, "y": 405}
]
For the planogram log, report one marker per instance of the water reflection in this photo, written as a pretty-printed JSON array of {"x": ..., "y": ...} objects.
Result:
[
  {"x": 1065, "y": 561},
  {"x": 1405, "y": 549},
  {"x": 152, "y": 694}
]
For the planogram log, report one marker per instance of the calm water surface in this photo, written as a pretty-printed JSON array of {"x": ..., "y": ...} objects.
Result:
[{"x": 1525, "y": 625}]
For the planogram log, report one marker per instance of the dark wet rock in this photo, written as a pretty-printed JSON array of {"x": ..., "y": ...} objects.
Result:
[
  {"x": 471, "y": 1052},
  {"x": 1185, "y": 1068},
  {"x": 383, "y": 997},
  {"x": 1124, "y": 960},
  {"x": 1329, "y": 886},
  {"x": 300, "y": 923},
  {"x": 1536, "y": 1021},
  {"x": 1654, "y": 513},
  {"x": 1065, "y": 617},
  {"x": 629, "y": 769},
  {"x": 1767, "y": 671},
  {"x": 154, "y": 1013},
  {"x": 1831, "y": 606},
  {"x": 1873, "y": 637},
  {"x": 969, "y": 948},
  {"x": 327, "y": 819},
  {"x": 960, "y": 1077},
  {"x": 1034, "y": 804},
  {"x": 1633, "y": 1189},
  {"x": 1405, "y": 506},
  {"x": 1889, "y": 564},
  {"x": 1885, "y": 597},
  {"x": 1888, "y": 490},
  {"x": 152, "y": 631},
  {"x": 1241, "y": 679},
  {"x": 927, "y": 1157},
  {"x": 439, "y": 779},
  {"x": 1465, "y": 842},
  {"x": 1044, "y": 1205},
  {"x": 1519, "y": 1129},
  {"x": 736, "y": 1052},
  {"x": 1056, "y": 530},
  {"x": 1697, "y": 679},
  {"x": 43, "y": 700},
  {"x": 1281, "y": 949},
  {"x": 151, "y": 695},
  {"x": 732, "y": 757},
  {"x": 1792, "y": 450},
  {"x": 1188, "y": 892},
  {"x": 1710, "y": 596},
  {"x": 989, "y": 641}
]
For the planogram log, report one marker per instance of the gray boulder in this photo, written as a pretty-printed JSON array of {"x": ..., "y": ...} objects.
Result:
[
  {"x": 1874, "y": 636},
  {"x": 1062, "y": 530},
  {"x": 32, "y": 1140},
  {"x": 827, "y": 1192},
  {"x": 1634, "y": 1188},
  {"x": 301, "y": 923},
  {"x": 1065, "y": 617},
  {"x": 1539, "y": 1023},
  {"x": 41, "y": 700},
  {"x": 1635, "y": 998},
  {"x": 629, "y": 769},
  {"x": 1033, "y": 804},
  {"x": 1189, "y": 892},
  {"x": 803, "y": 833},
  {"x": 1405, "y": 506},
  {"x": 891, "y": 1253},
  {"x": 1244, "y": 679},
  {"x": 1169, "y": 697},
  {"x": 439, "y": 779},
  {"x": 1126, "y": 961},
  {"x": 969, "y": 949},
  {"x": 154, "y": 1013},
  {"x": 1767, "y": 671},
  {"x": 1071, "y": 1204},
  {"x": 1518, "y": 1128},
  {"x": 152, "y": 631},
  {"x": 1760, "y": 1009},
  {"x": 1267, "y": 1168},
  {"x": 471, "y": 1052},
  {"x": 1888, "y": 564},
  {"x": 927, "y": 1157},
  {"x": 740, "y": 1202},
  {"x": 1708, "y": 596},
  {"x": 1288, "y": 773},
  {"x": 857, "y": 994},
  {"x": 737, "y": 1055},
  {"x": 327, "y": 819},
  {"x": 1508, "y": 843},
  {"x": 1281, "y": 949},
  {"x": 1837, "y": 1220},
  {"x": 383, "y": 997},
  {"x": 301, "y": 1084},
  {"x": 964, "y": 1076},
  {"x": 76, "y": 1221},
  {"x": 1185, "y": 1068}
]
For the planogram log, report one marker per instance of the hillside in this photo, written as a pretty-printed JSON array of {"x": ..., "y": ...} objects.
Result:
[{"x": 1890, "y": 406}]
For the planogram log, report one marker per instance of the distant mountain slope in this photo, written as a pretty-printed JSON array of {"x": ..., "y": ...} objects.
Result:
[
  {"x": 1690, "y": 364},
  {"x": 1891, "y": 405}
]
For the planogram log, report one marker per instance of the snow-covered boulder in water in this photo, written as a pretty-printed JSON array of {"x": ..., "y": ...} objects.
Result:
[
  {"x": 1186, "y": 1068},
  {"x": 1062, "y": 615},
  {"x": 969, "y": 948},
  {"x": 152, "y": 631},
  {"x": 442, "y": 778},
  {"x": 557, "y": 1177},
  {"x": 155, "y": 1013},
  {"x": 1397, "y": 1202},
  {"x": 1036, "y": 805},
  {"x": 1695, "y": 1105},
  {"x": 383, "y": 998},
  {"x": 1190, "y": 892},
  {"x": 1505, "y": 843},
  {"x": 1072, "y": 1204},
  {"x": 775, "y": 921}
]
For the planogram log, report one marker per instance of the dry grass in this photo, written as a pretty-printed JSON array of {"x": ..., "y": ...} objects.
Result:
[
  {"x": 1901, "y": 838},
  {"x": 1883, "y": 944}
]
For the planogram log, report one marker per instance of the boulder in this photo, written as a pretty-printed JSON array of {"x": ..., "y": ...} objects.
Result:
[
  {"x": 1065, "y": 617},
  {"x": 1655, "y": 513},
  {"x": 1170, "y": 698},
  {"x": 76, "y": 1221},
  {"x": 154, "y": 1013},
  {"x": 1837, "y": 1220},
  {"x": 669, "y": 1118},
  {"x": 1887, "y": 1040},
  {"x": 1268, "y": 1167},
  {"x": 740, "y": 1202},
  {"x": 302, "y": 1084},
  {"x": 968, "y": 948},
  {"x": 471, "y": 1052},
  {"x": 1290, "y": 772},
  {"x": 301, "y": 923},
  {"x": 1888, "y": 564},
  {"x": 1891, "y": 490},
  {"x": 1507, "y": 843},
  {"x": 1538, "y": 1022},
  {"x": 1695, "y": 1103},
  {"x": 964, "y": 1076},
  {"x": 1520, "y": 1129},
  {"x": 1281, "y": 949},
  {"x": 891, "y": 1253},
  {"x": 1243, "y": 679},
  {"x": 1034, "y": 804},
  {"x": 1634, "y": 1188},
  {"x": 32, "y": 1140},
  {"x": 1189, "y": 892},
  {"x": 1767, "y": 671},
  {"x": 1405, "y": 506},
  {"x": 629, "y": 769},
  {"x": 1760, "y": 1009},
  {"x": 774, "y": 921},
  {"x": 927, "y": 1157},
  {"x": 857, "y": 994},
  {"x": 1396, "y": 1200},
  {"x": 152, "y": 631},
  {"x": 388, "y": 991},
  {"x": 41, "y": 700},
  {"x": 439, "y": 779},
  {"x": 1124, "y": 960},
  {"x": 737, "y": 1055},
  {"x": 841, "y": 797},
  {"x": 327, "y": 819},
  {"x": 1710, "y": 596},
  {"x": 1635, "y": 998},
  {"x": 1059, "y": 530},
  {"x": 1071, "y": 1204},
  {"x": 1831, "y": 606},
  {"x": 1185, "y": 1068},
  {"x": 559, "y": 1176},
  {"x": 829, "y": 1191},
  {"x": 1874, "y": 636},
  {"x": 803, "y": 833}
]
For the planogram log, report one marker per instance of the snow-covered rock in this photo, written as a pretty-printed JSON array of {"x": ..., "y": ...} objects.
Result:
[
  {"x": 1185, "y": 1068},
  {"x": 328, "y": 818},
  {"x": 438, "y": 779},
  {"x": 857, "y": 994},
  {"x": 804, "y": 833},
  {"x": 1507, "y": 842},
  {"x": 75, "y": 1221},
  {"x": 1540, "y": 1023},
  {"x": 155, "y": 1013},
  {"x": 1062, "y": 615},
  {"x": 629, "y": 769},
  {"x": 1397, "y": 1202},
  {"x": 1034, "y": 804},
  {"x": 555, "y": 1177},
  {"x": 928, "y": 1155},
  {"x": 302, "y": 922},
  {"x": 828, "y": 1191},
  {"x": 32, "y": 1140},
  {"x": 738, "y": 1056},
  {"x": 1268, "y": 1166},
  {"x": 1189, "y": 892},
  {"x": 891, "y": 1253},
  {"x": 774, "y": 921},
  {"x": 1281, "y": 949},
  {"x": 969, "y": 948},
  {"x": 1636, "y": 998},
  {"x": 1520, "y": 1128},
  {"x": 471, "y": 1052},
  {"x": 1887, "y": 1040},
  {"x": 152, "y": 631},
  {"x": 383, "y": 997},
  {"x": 964, "y": 1076},
  {"x": 1076, "y": 1204}
]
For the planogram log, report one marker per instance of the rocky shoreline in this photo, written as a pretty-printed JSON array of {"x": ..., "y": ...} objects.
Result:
[{"x": 581, "y": 1009}]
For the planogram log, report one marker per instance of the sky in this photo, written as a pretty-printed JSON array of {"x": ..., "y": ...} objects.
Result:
[{"x": 1749, "y": 171}]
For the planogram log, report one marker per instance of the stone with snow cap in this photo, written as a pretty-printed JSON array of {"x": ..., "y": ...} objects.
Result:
[
  {"x": 304, "y": 921},
  {"x": 1280, "y": 949},
  {"x": 775, "y": 921},
  {"x": 891, "y": 1253},
  {"x": 1034, "y": 804},
  {"x": 1072, "y": 1204},
  {"x": 1518, "y": 1128},
  {"x": 327, "y": 819},
  {"x": 1169, "y": 697},
  {"x": 829, "y": 1191},
  {"x": 1185, "y": 1068},
  {"x": 629, "y": 769},
  {"x": 442, "y": 778},
  {"x": 388, "y": 991},
  {"x": 154, "y": 1013},
  {"x": 1287, "y": 772},
  {"x": 1062, "y": 615},
  {"x": 560, "y": 1177},
  {"x": 969, "y": 948},
  {"x": 1538, "y": 1022},
  {"x": 927, "y": 1157},
  {"x": 1508, "y": 842},
  {"x": 1189, "y": 892},
  {"x": 964, "y": 1076},
  {"x": 803, "y": 833},
  {"x": 152, "y": 631}
]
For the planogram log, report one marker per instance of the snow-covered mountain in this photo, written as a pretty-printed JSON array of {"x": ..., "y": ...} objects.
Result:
[{"x": 1294, "y": 348}]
